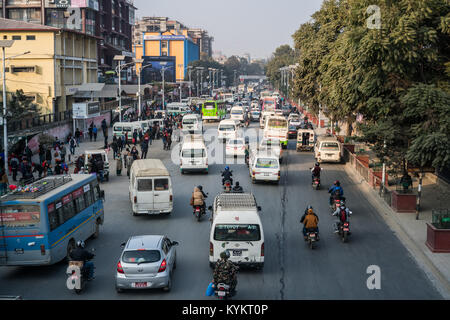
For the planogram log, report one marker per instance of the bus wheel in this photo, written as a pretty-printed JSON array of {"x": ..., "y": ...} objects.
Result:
[
  {"x": 70, "y": 247},
  {"x": 97, "y": 230}
]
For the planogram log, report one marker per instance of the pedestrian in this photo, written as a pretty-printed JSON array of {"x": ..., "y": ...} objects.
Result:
[
  {"x": 63, "y": 151},
  {"x": 104, "y": 127},
  {"x": 135, "y": 136},
  {"x": 127, "y": 140},
  {"x": 72, "y": 145},
  {"x": 164, "y": 140},
  {"x": 134, "y": 153},
  {"x": 41, "y": 154},
  {"x": 38, "y": 168},
  {"x": 28, "y": 153},
  {"x": 169, "y": 140},
  {"x": 4, "y": 182},
  {"x": 115, "y": 148},
  {"x": 48, "y": 155},
  {"x": 77, "y": 136},
  {"x": 91, "y": 130},
  {"x": 94, "y": 132},
  {"x": 25, "y": 169},
  {"x": 119, "y": 165},
  {"x": 106, "y": 141},
  {"x": 120, "y": 144},
  {"x": 57, "y": 156},
  {"x": 144, "y": 148},
  {"x": 14, "y": 163}
]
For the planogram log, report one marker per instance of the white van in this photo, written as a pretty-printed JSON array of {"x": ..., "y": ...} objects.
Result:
[
  {"x": 150, "y": 187},
  {"x": 192, "y": 123},
  {"x": 227, "y": 129},
  {"x": 264, "y": 166},
  {"x": 122, "y": 128},
  {"x": 176, "y": 108},
  {"x": 327, "y": 149},
  {"x": 193, "y": 154},
  {"x": 263, "y": 117},
  {"x": 237, "y": 113},
  {"x": 236, "y": 226}
]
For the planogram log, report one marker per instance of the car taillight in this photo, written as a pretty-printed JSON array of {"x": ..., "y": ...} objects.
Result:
[
  {"x": 43, "y": 249},
  {"x": 171, "y": 198},
  {"x": 119, "y": 267},
  {"x": 279, "y": 174},
  {"x": 253, "y": 172},
  {"x": 318, "y": 154},
  {"x": 262, "y": 250},
  {"x": 135, "y": 199},
  {"x": 163, "y": 266},
  {"x": 211, "y": 249}
]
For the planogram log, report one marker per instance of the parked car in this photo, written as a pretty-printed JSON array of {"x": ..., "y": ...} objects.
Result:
[{"x": 146, "y": 262}]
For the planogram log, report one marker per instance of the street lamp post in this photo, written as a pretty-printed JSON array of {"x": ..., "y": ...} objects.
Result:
[
  {"x": 190, "y": 90},
  {"x": 119, "y": 72},
  {"x": 139, "y": 83},
  {"x": 163, "y": 72},
  {"x": 5, "y": 44},
  {"x": 201, "y": 79}
]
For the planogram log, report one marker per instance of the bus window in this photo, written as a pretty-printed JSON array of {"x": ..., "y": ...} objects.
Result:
[
  {"x": 52, "y": 217},
  {"x": 80, "y": 203},
  {"x": 68, "y": 209},
  {"x": 88, "y": 197},
  {"x": 20, "y": 215}
]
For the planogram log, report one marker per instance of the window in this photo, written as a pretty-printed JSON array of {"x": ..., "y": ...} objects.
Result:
[
  {"x": 164, "y": 44},
  {"x": 330, "y": 145},
  {"x": 161, "y": 184},
  {"x": 31, "y": 37},
  {"x": 16, "y": 37},
  {"x": 164, "y": 54},
  {"x": 68, "y": 208},
  {"x": 145, "y": 185},
  {"x": 88, "y": 197},
  {"x": 80, "y": 204},
  {"x": 165, "y": 247},
  {"x": 141, "y": 256},
  {"x": 237, "y": 232},
  {"x": 5, "y": 37},
  {"x": 23, "y": 69},
  {"x": 267, "y": 163},
  {"x": 20, "y": 215},
  {"x": 193, "y": 153},
  {"x": 52, "y": 217}
]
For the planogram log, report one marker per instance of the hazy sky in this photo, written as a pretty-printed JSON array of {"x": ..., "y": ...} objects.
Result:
[{"x": 257, "y": 27}]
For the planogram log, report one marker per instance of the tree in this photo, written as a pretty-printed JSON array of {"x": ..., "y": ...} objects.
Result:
[
  {"x": 20, "y": 107},
  {"x": 283, "y": 56}
]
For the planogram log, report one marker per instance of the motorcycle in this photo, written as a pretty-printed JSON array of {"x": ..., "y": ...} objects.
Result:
[
  {"x": 78, "y": 276},
  {"x": 311, "y": 238},
  {"x": 316, "y": 183},
  {"x": 336, "y": 204},
  {"x": 199, "y": 211},
  {"x": 227, "y": 185},
  {"x": 344, "y": 231},
  {"x": 222, "y": 291}
]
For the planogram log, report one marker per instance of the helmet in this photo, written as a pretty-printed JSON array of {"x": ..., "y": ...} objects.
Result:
[
  {"x": 227, "y": 168},
  {"x": 237, "y": 184},
  {"x": 200, "y": 188},
  {"x": 317, "y": 164},
  {"x": 309, "y": 207},
  {"x": 80, "y": 244},
  {"x": 337, "y": 183},
  {"x": 225, "y": 255}
]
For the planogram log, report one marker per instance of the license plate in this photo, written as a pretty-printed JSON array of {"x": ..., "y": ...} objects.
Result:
[
  {"x": 312, "y": 235},
  {"x": 237, "y": 253},
  {"x": 266, "y": 174},
  {"x": 140, "y": 284},
  {"x": 329, "y": 155},
  {"x": 221, "y": 293},
  {"x": 346, "y": 229}
]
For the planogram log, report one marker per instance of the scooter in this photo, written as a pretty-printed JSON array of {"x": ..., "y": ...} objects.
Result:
[
  {"x": 316, "y": 183},
  {"x": 311, "y": 238},
  {"x": 344, "y": 231}
]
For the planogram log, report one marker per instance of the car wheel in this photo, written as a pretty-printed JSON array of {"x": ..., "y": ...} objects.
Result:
[{"x": 169, "y": 284}]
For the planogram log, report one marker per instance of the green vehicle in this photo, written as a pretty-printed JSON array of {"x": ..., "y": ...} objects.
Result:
[{"x": 214, "y": 110}]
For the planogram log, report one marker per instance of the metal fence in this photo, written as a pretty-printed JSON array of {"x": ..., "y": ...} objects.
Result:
[
  {"x": 441, "y": 218},
  {"x": 29, "y": 123}
]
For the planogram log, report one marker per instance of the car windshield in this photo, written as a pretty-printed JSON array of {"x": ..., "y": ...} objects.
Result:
[
  {"x": 267, "y": 163},
  {"x": 293, "y": 128},
  {"x": 189, "y": 121},
  {"x": 193, "y": 153},
  {"x": 209, "y": 105},
  {"x": 227, "y": 127},
  {"x": 141, "y": 256},
  {"x": 330, "y": 145},
  {"x": 237, "y": 232},
  {"x": 20, "y": 215},
  {"x": 237, "y": 111}
]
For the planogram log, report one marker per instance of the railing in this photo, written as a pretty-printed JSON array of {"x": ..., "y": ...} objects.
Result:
[
  {"x": 24, "y": 124},
  {"x": 441, "y": 218}
]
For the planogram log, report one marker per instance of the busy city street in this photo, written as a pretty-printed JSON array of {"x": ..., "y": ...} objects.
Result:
[{"x": 291, "y": 271}]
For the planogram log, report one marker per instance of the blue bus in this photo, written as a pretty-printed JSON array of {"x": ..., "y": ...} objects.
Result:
[{"x": 41, "y": 222}]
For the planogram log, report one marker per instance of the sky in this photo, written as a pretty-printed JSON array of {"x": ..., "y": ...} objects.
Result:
[{"x": 256, "y": 27}]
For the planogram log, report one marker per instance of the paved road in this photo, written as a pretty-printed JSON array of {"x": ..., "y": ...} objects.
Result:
[{"x": 292, "y": 271}]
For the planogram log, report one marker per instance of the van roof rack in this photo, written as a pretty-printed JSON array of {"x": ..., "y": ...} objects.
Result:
[
  {"x": 236, "y": 201},
  {"x": 38, "y": 188}
]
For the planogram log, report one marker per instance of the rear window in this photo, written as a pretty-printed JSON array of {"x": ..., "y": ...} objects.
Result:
[
  {"x": 193, "y": 153},
  {"x": 189, "y": 121},
  {"x": 209, "y": 106},
  {"x": 277, "y": 123},
  {"x": 227, "y": 127},
  {"x": 237, "y": 232},
  {"x": 20, "y": 215},
  {"x": 267, "y": 163},
  {"x": 330, "y": 145},
  {"x": 118, "y": 129},
  {"x": 235, "y": 141},
  {"x": 144, "y": 185},
  {"x": 237, "y": 111},
  {"x": 161, "y": 184},
  {"x": 141, "y": 256}
]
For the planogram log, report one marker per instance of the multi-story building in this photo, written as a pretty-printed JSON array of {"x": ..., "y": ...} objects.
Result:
[
  {"x": 49, "y": 64},
  {"x": 110, "y": 21}
]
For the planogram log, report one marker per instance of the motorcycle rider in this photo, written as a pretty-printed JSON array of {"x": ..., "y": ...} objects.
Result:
[
  {"x": 336, "y": 192},
  {"x": 316, "y": 171},
  {"x": 343, "y": 214},
  {"x": 198, "y": 198},
  {"x": 81, "y": 254},
  {"x": 237, "y": 188},
  {"x": 310, "y": 222},
  {"x": 227, "y": 175},
  {"x": 225, "y": 272}
]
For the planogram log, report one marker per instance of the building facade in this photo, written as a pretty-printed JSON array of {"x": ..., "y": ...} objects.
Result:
[
  {"x": 109, "y": 20},
  {"x": 57, "y": 62}
]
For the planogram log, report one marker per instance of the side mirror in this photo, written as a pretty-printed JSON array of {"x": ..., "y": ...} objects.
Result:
[
  {"x": 102, "y": 194},
  {"x": 122, "y": 245},
  {"x": 174, "y": 243},
  {"x": 259, "y": 208},
  {"x": 210, "y": 208},
  {"x": 93, "y": 249}
]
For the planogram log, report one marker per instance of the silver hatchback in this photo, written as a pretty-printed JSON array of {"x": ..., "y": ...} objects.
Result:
[{"x": 146, "y": 262}]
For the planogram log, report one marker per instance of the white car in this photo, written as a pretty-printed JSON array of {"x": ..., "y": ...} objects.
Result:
[
  {"x": 235, "y": 148},
  {"x": 237, "y": 113},
  {"x": 228, "y": 129},
  {"x": 272, "y": 146},
  {"x": 265, "y": 167},
  {"x": 294, "y": 120}
]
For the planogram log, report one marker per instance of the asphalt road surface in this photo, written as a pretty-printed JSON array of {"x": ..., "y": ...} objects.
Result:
[{"x": 334, "y": 270}]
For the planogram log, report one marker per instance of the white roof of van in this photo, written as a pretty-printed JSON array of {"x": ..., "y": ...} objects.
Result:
[
  {"x": 149, "y": 168},
  {"x": 327, "y": 138},
  {"x": 227, "y": 121}
]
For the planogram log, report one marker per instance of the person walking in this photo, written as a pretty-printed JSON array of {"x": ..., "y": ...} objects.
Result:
[
  {"x": 115, "y": 148},
  {"x": 94, "y": 131},
  {"x": 169, "y": 140},
  {"x": 120, "y": 144},
  {"x": 119, "y": 165},
  {"x": 144, "y": 148},
  {"x": 91, "y": 131},
  {"x": 72, "y": 145},
  {"x": 63, "y": 151},
  {"x": 41, "y": 153},
  {"x": 106, "y": 141},
  {"x": 77, "y": 136},
  {"x": 104, "y": 127},
  {"x": 28, "y": 153}
]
